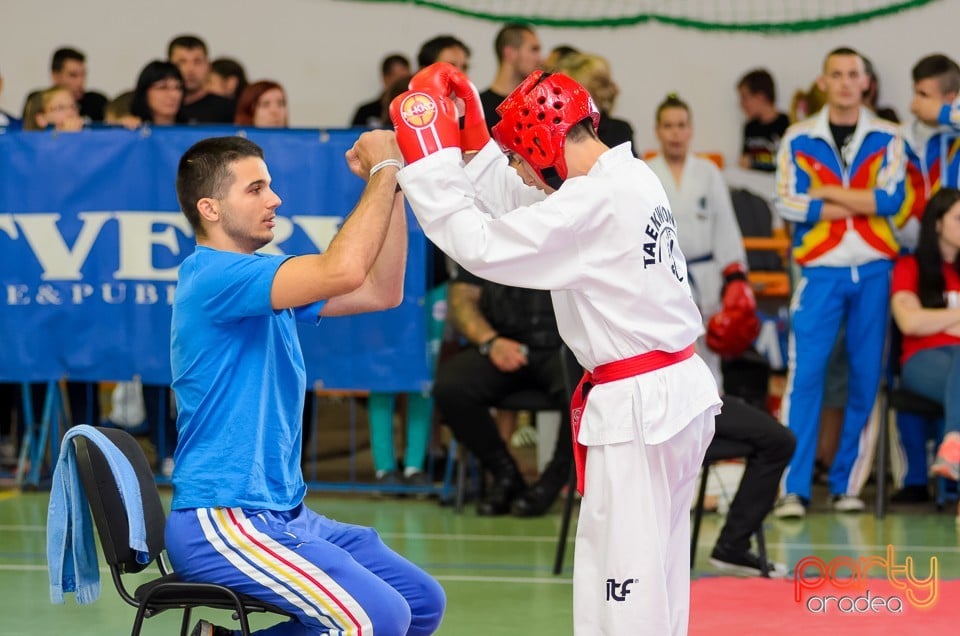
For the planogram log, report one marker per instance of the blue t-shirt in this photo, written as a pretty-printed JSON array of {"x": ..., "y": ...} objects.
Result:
[{"x": 239, "y": 380}]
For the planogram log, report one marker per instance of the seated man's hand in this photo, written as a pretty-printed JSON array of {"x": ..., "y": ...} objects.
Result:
[{"x": 508, "y": 355}]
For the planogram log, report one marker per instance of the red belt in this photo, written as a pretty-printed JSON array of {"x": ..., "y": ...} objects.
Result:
[{"x": 610, "y": 372}]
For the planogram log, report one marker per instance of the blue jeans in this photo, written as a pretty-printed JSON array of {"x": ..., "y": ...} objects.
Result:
[{"x": 935, "y": 374}]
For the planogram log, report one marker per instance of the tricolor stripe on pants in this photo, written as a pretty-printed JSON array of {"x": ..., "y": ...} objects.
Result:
[{"x": 282, "y": 571}]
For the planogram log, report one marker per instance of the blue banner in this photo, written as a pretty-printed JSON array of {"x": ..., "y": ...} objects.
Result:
[{"x": 91, "y": 237}]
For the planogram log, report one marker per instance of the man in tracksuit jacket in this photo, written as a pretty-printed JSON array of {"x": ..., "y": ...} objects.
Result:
[{"x": 840, "y": 181}]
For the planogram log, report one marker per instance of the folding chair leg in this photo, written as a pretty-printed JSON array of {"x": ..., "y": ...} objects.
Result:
[
  {"x": 565, "y": 522},
  {"x": 762, "y": 553},
  {"x": 185, "y": 621},
  {"x": 698, "y": 514},
  {"x": 461, "y": 479},
  {"x": 881, "y": 463}
]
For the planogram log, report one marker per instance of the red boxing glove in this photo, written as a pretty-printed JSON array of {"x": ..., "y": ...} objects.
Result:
[
  {"x": 737, "y": 294},
  {"x": 424, "y": 124},
  {"x": 733, "y": 329},
  {"x": 730, "y": 333},
  {"x": 475, "y": 133},
  {"x": 436, "y": 79}
]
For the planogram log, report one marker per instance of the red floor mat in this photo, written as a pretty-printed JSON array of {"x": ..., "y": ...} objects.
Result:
[{"x": 722, "y": 606}]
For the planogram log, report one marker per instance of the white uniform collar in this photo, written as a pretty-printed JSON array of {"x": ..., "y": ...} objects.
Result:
[{"x": 617, "y": 154}]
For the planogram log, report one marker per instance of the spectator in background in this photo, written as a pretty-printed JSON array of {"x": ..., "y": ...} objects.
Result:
[
  {"x": 933, "y": 163},
  {"x": 419, "y": 404},
  {"x": 200, "y": 106},
  {"x": 117, "y": 112},
  {"x": 716, "y": 262},
  {"x": 557, "y": 53},
  {"x": 263, "y": 104},
  {"x": 68, "y": 68},
  {"x": 393, "y": 69},
  {"x": 872, "y": 94},
  {"x": 839, "y": 179},
  {"x": 926, "y": 307},
  {"x": 227, "y": 78},
  {"x": 7, "y": 120},
  {"x": 55, "y": 109},
  {"x": 765, "y": 125},
  {"x": 806, "y": 103},
  {"x": 593, "y": 72},
  {"x": 518, "y": 54},
  {"x": 158, "y": 96},
  {"x": 444, "y": 48}
]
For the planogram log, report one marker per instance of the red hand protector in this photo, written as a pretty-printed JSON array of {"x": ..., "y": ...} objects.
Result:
[
  {"x": 424, "y": 124},
  {"x": 436, "y": 79},
  {"x": 734, "y": 328},
  {"x": 730, "y": 333},
  {"x": 475, "y": 134}
]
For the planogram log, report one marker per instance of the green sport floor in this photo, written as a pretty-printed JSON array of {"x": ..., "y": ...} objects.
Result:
[{"x": 496, "y": 571}]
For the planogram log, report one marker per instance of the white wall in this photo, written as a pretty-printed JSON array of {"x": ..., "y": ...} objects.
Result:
[{"x": 327, "y": 52}]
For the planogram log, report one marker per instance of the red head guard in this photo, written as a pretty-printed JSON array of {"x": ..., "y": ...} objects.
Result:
[{"x": 537, "y": 115}]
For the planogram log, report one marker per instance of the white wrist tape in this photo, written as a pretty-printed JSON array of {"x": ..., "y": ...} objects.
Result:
[{"x": 383, "y": 164}]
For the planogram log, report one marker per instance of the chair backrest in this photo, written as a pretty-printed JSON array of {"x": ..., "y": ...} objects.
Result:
[
  {"x": 755, "y": 219},
  {"x": 106, "y": 504}
]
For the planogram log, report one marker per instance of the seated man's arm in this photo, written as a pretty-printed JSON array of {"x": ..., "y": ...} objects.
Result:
[{"x": 348, "y": 264}]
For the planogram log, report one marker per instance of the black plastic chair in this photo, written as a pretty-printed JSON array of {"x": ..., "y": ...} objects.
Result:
[
  {"x": 896, "y": 398},
  {"x": 110, "y": 517}
]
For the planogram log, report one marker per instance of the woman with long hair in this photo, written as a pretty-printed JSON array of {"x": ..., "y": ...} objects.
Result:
[{"x": 926, "y": 307}]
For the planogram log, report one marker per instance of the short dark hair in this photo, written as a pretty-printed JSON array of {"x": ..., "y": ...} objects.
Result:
[
  {"x": 392, "y": 60},
  {"x": 229, "y": 67},
  {"x": 583, "y": 129},
  {"x": 940, "y": 67},
  {"x": 759, "y": 80},
  {"x": 842, "y": 50},
  {"x": 671, "y": 101},
  {"x": 204, "y": 172},
  {"x": 430, "y": 50},
  {"x": 152, "y": 73},
  {"x": 186, "y": 42},
  {"x": 60, "y": 57},
  {"x": 510, "y": 35}
]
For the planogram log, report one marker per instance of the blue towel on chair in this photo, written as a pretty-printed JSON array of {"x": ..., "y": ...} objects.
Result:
[{"x": 71, "y": 549}]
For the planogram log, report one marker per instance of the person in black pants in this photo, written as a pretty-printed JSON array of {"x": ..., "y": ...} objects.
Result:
[
  {"x": 516, "y": 347},
  {"x": 772, "y": 447}
]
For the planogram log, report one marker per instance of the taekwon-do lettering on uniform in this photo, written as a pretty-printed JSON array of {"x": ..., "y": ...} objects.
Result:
[{"x": 663, "y": 248}]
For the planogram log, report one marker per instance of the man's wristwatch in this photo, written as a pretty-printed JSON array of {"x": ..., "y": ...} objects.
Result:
[{"x": 485, "y": 346}]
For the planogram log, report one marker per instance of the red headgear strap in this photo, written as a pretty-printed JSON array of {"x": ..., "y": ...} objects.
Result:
[{"x": 537, "y": 115}]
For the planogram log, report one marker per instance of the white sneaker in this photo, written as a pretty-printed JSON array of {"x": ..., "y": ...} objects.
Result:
[
  {"x": 847, "y": 503},
  {"x": 790, "y": 507}
]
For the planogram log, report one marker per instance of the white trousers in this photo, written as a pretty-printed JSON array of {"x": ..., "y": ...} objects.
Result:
[{"x": 631, "y": 569}]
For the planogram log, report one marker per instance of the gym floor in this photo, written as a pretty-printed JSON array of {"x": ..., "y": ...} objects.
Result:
[{"x": 496, "y": 571}]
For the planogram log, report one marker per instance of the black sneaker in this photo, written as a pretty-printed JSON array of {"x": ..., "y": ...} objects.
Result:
[
  {"x": 744, "y": 563},
  {"x": 203, "y": 628}
]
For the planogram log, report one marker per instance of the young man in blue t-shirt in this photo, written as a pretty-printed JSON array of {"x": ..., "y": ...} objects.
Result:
[{"x": 238, "y": 516}]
